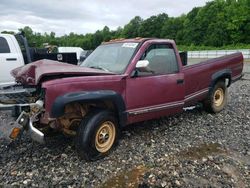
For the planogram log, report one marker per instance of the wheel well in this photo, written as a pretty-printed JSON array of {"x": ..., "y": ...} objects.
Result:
[
  {"x": 110, "y": 105},
  {"x": 105, "y": 104},
  {"x": 106, "y": 99},
  {"x": 75, "y": 111},
  {"x": 224, "y": 75},
  {"x": 225, "y": 78}
]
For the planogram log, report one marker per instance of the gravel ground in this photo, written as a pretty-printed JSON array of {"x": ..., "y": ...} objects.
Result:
[{"x": 188, "y": 150}]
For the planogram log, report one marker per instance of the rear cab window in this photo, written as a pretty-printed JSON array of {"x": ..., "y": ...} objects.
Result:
[{"x": 4, "y": 46}]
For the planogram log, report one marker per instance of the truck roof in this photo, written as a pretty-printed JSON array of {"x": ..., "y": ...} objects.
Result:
[{"x": 137, "y": 39}]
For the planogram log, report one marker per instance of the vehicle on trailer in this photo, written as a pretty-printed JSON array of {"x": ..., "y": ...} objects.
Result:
[{"x": 120, "y": 83}]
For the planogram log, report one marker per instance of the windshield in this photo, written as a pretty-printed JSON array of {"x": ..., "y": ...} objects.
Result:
[{"x": 111, "y": 57}]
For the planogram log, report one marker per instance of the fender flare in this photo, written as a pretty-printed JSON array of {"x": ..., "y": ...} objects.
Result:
[
  {"x": 225, "y": 73},
  {"x": 60, "y": 102}
]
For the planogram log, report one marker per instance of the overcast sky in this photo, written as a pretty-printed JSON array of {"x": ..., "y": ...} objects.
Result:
[{"x": 79, "y": 16}]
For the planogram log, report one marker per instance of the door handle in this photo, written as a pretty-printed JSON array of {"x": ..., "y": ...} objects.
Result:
[
  {"x": 180, "y": 81},
  {"x": 11, "y": 59}
]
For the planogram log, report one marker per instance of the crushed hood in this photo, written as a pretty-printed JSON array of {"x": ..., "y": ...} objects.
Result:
[{"x": 32, "y": 73}]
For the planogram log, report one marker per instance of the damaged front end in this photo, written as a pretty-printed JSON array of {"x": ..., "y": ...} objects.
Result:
[{"x": 26, "y": 105}]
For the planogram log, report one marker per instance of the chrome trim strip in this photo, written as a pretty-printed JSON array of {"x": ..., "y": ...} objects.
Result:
[
  {"x": 154, "y": 108},
  {"x": 14, "y": 105},
  {"x": 138, "y": 111},
  {"x": 190, "y": 96},
  {"x": 37, "y": 103}
]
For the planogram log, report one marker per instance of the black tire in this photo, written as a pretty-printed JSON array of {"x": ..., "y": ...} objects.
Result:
[
  {"x": 217, "y": 98},
  {"x": 88, "y": 143}
]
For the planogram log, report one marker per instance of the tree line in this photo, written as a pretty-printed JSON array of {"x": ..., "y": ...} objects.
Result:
[{"x": 219, "y": 23}]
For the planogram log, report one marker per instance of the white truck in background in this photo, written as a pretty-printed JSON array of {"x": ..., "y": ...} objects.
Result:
[
  {"x": 10, "y": 57},
  {"x": 15, "y": 52}
]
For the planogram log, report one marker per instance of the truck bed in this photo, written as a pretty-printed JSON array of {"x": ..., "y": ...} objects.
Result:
[{"x": 198, "y": 76}]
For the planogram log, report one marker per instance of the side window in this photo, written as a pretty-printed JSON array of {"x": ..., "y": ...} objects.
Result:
[
  {"x": 162, "y": 59},
  {"x": 4, "y": 47}
]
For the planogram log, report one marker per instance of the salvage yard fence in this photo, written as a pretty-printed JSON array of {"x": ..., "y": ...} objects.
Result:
[{"x": 216, "y": 53}]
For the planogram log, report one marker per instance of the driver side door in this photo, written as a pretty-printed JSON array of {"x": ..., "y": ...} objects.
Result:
[{"x": 157, "y": 93}]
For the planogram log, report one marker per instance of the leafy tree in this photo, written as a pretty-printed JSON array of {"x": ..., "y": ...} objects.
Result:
[
  {"x": 106, "y": 34},
  {"x": 152, "y": 26},
  {"x": 173, "y": 29},
  {"x": 132, "y": 29}
]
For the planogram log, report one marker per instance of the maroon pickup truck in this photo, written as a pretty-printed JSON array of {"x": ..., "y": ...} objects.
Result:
[{"x": 120, "y": 83}]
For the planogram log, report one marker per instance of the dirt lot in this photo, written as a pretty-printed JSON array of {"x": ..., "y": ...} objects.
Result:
[{"x": 191, "y": 149}]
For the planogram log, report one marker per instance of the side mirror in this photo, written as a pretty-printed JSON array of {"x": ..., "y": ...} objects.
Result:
[{"x": 142, "y": 66}]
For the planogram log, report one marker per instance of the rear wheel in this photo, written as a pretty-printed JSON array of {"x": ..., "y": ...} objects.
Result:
[
  {"x": 217, "y": 98},
  {"x": 97, "y": 135}
]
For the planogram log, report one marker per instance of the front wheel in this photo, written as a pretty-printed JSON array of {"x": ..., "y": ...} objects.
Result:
[
  {"x": 217, "y": 98},
  {"x": 97, "y": 135}
]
